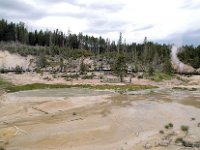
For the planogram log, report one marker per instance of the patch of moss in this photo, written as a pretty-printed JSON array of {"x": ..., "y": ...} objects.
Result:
[
  {"x": 4, "y": 84},
  {"x": 100, "y": 87}
]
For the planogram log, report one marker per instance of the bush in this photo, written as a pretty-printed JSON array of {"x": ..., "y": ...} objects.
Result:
[
  {"x": 4, "y": 70},
  {"x": 161, "y": 132},
  {"x": 18, "y": 70},
  {"x": 185, "y": 128},
  {"x": 171, "y": 125},
  {"x": 101, "y": 77},
  {"x": 168, "y": 126},
  {"x": 41, "y": 61},
  {"x": 83, "y": 68},
  {"x": 151, "y": 70}
]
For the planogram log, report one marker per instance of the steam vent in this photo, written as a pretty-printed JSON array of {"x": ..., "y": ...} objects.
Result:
[{"x": 179, "y": 66}]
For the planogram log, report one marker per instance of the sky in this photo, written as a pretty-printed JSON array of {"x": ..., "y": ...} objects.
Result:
[{"x": 162, "y": 21}]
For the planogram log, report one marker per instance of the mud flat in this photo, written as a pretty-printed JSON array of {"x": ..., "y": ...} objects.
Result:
[{"x": 85, "y": 119}]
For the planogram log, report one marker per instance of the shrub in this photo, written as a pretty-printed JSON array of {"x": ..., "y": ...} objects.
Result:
[
  {"x": 140, "y": 76},
  {"x": 150, "y": 70},
  {"x": 161, "y": 132},
  {"x": 171, "y": 125},
  {"x": 83, "y": 68},
  {"x": 185, "y": 128},
  {"x": 168, "y": 126},
  {"x": 101, "y": 77},
  {"x": 41, "y": 61},
  {"x": 4, "y": 70},
  {"x": 18, "y": 70}
]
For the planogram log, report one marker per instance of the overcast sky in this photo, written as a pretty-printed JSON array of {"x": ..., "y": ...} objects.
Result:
[{"x": 169, "y": 21}]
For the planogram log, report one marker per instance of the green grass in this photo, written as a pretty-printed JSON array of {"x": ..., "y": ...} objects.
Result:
[
  {"x": 4, "y": 84},
  {"x": 34, "y": 86},
  {"x": 54, "y": 86},
  {"x": 158, "y": 77}
]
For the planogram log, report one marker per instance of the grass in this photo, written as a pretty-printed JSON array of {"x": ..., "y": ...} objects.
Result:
[
  {"x": 34, "y": 86},
  {"x": 4, "y": 84},
  {"x": 100, "y": 87},
  {"x": 158, "y": 77}
]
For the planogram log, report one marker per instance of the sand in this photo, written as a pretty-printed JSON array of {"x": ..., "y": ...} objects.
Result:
[{"x": 102, "y": 121}]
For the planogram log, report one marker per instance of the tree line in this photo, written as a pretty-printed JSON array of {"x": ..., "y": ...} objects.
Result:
[{"x": 146, "y": 56}]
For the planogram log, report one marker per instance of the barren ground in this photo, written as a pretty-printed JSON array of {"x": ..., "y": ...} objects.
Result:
[{"x": 82, "y": 119}]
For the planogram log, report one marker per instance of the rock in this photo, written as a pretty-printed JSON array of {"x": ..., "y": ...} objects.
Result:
[
  {"x": 147, "y": 146},
  {"x": 198, "y": 125}
]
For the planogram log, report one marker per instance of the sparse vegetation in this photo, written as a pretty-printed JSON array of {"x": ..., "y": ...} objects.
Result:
[
  {"x": 4, "y": 84},
  {"x": 171, "y": 125},
  {"x": 158, "y": 76},
  {"x": 161, "y": 132},
  {"x": 74, "y": 113},
  {"x": 82, "y": 68},
  {"x": 18, "y": 70},
  {"x": 88, "y": 76},
  {"x": 185, "y": 128},
  {"x": 71, "y": 76},
  {"x": 101, "y": 87},
  {"x": 168, "y": 126}
]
